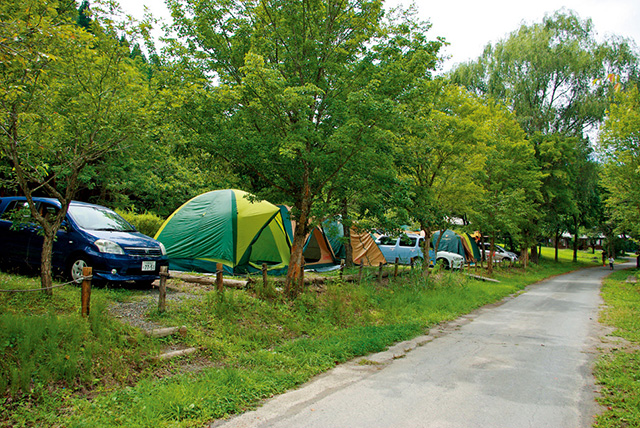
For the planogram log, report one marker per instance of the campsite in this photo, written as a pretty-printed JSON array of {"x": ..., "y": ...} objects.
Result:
[
  {"x": 258, "y": 166},
  {"x": 242, "y": 345}
]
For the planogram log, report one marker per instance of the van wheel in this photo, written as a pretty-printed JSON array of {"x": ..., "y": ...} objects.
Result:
[
  {"x": 75, "y": 268},
  {"x": 444, "y": 263}
]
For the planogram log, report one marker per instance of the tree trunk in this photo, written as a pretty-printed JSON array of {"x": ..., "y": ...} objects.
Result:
[
  {"x": 294, "y": 280},
  {"x": 534, "y": 254},
  {"x": 575, "y": 239},
  {"x": 296, "y": 261},
  {"x": 426, "y": 259},
  {"x": 437, "y": 245},
  {"x": 492, "y": 241},
  {"x": 556, "y": 243},
  {"x": 346, "y": 226},
  {"x": 46, "y": 276}
]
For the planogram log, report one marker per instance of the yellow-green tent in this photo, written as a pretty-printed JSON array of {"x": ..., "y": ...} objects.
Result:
[{"x": 224, "y": 226}]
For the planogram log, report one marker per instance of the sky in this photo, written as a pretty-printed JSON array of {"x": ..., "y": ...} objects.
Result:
[{"x": 469, "y": 25}]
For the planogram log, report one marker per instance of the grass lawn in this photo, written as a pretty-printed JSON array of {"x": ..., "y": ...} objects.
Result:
[
  {"x": 60, "y": 370},
  {"x": 618, "y": 371}
]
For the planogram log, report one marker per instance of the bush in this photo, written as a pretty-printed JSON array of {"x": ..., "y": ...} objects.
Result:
[{"x": 146, "y": 223}]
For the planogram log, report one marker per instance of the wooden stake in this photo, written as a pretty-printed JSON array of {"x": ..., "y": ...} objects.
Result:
[
  {"x": 162, "y": 288},
  {"x": 341, "y": 267},
  {"x": 380, "y": 272},
  {"x": 360, "y": 272},
  {"x": 265, "y": 278},
  {"x": 85, "y": 296},
  {"x": 219, "y": 280},
  {"x": 395, "y": 270}
]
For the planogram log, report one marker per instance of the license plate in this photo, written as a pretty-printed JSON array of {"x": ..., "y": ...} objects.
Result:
[{"x": 148, "y": 266}]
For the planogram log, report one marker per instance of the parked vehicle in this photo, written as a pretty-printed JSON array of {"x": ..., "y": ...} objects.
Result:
[
  {"x": 91, "y": 235},
  {"x": 408, "y": 247},
  {"x": 499, "y": 254}
]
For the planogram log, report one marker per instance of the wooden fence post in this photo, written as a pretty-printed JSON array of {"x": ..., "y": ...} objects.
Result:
[
  {"x": 85, "y": 296},
  {"x": 395, "y": 270},
  {"x": 265, "y": 278},
  {"x": 162, "y": 289},
  {"x": 219, "y": 281}
]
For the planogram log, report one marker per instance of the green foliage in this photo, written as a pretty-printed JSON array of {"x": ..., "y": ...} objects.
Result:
[
  {"x": 548, "y": 74},
  {"x": 146, "y": 223},
  {"x": 439, "y": 152},
  {"x": 303, "y": 91},
  {"x": 68, "y": 97},
  {"x": 620, "y": 147},
  {"x": 545, "y": 73},
  {"x": 619, "y": 371},
  {"x": 250, "y": 347}
]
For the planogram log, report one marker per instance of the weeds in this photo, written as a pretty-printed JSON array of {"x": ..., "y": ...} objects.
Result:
[
  {"x": 257, "y": 344},
  {"x": 619, "y": 371}
]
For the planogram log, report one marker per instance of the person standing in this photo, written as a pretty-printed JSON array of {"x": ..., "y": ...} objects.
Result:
[{"x": 611, "y": 263}]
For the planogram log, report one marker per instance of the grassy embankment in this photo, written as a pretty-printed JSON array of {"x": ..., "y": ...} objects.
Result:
[
  {"x": 618, "y": 371},
  {"x": 57, "y": 369}
]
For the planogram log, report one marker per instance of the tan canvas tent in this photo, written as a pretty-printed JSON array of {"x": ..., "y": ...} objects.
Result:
[{"x": 363, "y": 245}]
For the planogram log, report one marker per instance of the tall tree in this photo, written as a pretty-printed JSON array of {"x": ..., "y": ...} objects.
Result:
[
  {"x": 297, "y": 90},
  {"x": 509, "y": 180},
  {"x": 67, "y": 97},
  {"x": 545, "y": 74},
  {"x": 438, "y": 154},
  {"x": 620, "y": 147}
]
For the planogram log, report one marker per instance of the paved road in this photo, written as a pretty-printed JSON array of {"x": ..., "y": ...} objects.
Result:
[{"x": 525, "y": 363}]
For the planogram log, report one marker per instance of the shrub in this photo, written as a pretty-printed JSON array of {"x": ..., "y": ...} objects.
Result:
[{"x": 146, "y": 223}]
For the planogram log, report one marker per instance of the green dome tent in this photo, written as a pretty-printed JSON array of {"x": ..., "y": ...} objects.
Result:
[
  {"x": 223, "y": 226},
  {"x": 460, "y": 243}
]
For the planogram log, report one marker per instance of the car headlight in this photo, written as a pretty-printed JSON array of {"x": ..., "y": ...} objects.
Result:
[
  {"x": 108, "y": 247},
  {"x": 164, "y": 250}
]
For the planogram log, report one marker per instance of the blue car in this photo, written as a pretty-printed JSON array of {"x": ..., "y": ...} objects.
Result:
[{"x": 91, "y": 235}]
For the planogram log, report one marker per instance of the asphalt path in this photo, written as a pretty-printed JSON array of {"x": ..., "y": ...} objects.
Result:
[{"x": 526, "y": 362}]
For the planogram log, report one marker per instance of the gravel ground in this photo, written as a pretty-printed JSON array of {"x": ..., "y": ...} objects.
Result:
[{"x": 135, "y": 312}]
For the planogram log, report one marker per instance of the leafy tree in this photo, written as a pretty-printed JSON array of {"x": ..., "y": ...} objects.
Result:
[
  {"x": 67, "y": 98},
  {"x": 620, "y": 147},
  {"x": 545, "y": 74},
  {"x": 84, "y": 15},
  {"x": 297, "y": 90},
  {"x": 438, "y": 154}
]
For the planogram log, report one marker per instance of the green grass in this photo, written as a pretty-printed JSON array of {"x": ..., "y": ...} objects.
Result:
[
  {"x": 252, "y": 345},
  {"x": 619, "y": 371}
]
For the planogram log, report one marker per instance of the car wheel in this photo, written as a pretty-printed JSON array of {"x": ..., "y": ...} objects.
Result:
[
  {"x": 443, "y": 263},
  {"x": 75, "y": 268},
  {"x": 144, "y": 284}
]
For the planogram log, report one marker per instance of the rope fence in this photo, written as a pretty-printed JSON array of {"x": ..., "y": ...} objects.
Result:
[{"x": 47, "y": 288}]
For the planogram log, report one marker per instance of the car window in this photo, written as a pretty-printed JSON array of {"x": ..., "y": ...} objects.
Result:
[
  {"x": 407, "y": 241},
  {"x": 95, "y": 218},
  {"x": 387, "y": 240},
  {"x": 17, "y": 211},
  {"x": 48, "y": 211}
]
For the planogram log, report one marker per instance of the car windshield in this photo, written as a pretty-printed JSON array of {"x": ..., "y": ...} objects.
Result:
[{"x": 95, "y": 218}]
